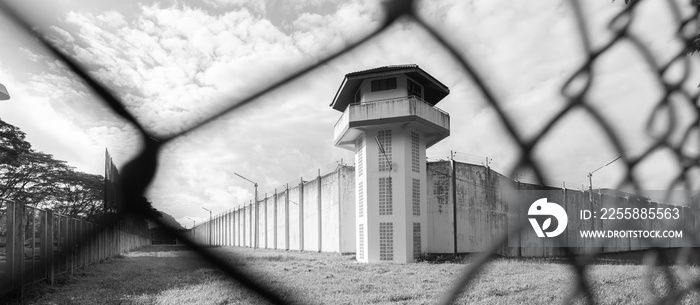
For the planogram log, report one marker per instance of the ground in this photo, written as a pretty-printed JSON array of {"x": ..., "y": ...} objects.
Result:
[{"x": 172, "y": 275}]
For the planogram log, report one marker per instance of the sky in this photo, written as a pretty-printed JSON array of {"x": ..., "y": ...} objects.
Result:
[{"x": 175, "y": 63}]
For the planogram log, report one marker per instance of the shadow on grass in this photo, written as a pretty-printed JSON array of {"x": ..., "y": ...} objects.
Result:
[
  {"x": 665, "y": 257},
  {"x": 142, "y": 280}
]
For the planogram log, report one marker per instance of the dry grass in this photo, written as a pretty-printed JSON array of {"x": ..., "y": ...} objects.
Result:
[{"x": 326, "y": 278}]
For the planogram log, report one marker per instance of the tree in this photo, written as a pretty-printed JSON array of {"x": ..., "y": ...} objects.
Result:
[
  {"x": 38, "y": 179},
  {"x": 31, "y": 178},
  {"x": 79, "y": 194},
  {"x": 12, "y": 143}
]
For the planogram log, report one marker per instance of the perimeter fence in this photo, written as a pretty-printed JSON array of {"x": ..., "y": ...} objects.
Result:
[
  {"x": 37, "y": 245},
  {"x": 576, "y": 91}
]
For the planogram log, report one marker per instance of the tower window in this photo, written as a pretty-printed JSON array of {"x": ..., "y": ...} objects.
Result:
[
  {"x": 414, "y": 89},
  {"x": 385, "y": 207},
  {"x": 360, "y": 155},
  {"x": 416, "y": 197},
  {"x": 415, "y": 152},
  {"x": 384, "y": 84},
  {"x": 386, "y": 241},
  {"x": 361, "y": 200},
  {"x": 416, "y": 240},
  {"x": 361, "y": 250},
  {"x": 384, "y": 139}
]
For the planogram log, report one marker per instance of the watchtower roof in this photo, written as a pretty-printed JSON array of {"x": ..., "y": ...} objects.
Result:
[{"x": 434, "y": 90}]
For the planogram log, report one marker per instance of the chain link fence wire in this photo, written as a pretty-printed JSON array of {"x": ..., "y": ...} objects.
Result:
[{"x": 139, "y": 172}]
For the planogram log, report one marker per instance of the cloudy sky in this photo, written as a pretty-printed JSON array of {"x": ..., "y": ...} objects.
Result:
[{"x": 175, "y": 63}]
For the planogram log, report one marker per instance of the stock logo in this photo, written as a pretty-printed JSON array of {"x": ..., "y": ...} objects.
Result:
[{"x": 547, "y": 210}]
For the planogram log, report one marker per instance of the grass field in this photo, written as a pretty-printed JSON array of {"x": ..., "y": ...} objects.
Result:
[{"x": 158, "y": 275}]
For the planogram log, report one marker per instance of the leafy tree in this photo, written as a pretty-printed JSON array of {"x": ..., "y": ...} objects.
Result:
[
  {"x": 37, "y": 179},
  {"x": 32, "y": 178},
  {"x": 12, "y": 143},
  {"x": 79, "y": 194}
]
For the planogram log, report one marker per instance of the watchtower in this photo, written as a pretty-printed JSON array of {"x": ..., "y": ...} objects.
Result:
[{"x": 389, "y": 119}]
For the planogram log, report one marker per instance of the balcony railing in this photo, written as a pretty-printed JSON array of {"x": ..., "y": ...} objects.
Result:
[{"x": 391, "y": 108}]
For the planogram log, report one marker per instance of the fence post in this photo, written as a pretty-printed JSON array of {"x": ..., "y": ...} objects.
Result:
[
  {"x": 90, "y": 227},
  {"x": 236, "y": 228},
  {"x": 301, "y": 214},
  {"x": 251, "y": 223},
  {"x": 241, "y": 229},
  {"x": 82, "y": 244},
  {"x": 340, "y": 210},
  {"x": 42, "y": 248},
  {"x": 70, "y": 244},
  {"x": 230, "y": 227},
  {"x": 286, "y": 218},
  {"x": 49, "y": 244},
  {"x": 15, "y": 245},
  {"x": 78, "y": 243},
  {"x": 266, "y": 225},
  {"x": 453, "y": 181},
  {"x": 274, "y": 221},
  {"x": 320, "y": 227}
]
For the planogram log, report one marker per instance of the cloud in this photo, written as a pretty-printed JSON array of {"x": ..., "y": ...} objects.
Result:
[
  {"x": 177, "y": 65},
  {"x": 174, "y": 66},
  {"x": 60, "y": 120},
  {"x": 256, "y": 6},
  {"x": 29, "y": 54}
]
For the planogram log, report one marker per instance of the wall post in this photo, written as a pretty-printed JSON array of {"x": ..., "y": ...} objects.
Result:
[
  {"x": 453, "y": 181},
  {"x": 274, "y": 221},
  {"x": 320, "y": 227},
  {"x": 49, "y": 247},
  {"x": 301, "y": 214},
  {"x": 286, "y": 218}
]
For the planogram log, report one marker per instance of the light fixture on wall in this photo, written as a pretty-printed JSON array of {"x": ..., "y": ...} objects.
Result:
[{"x": 381, "y": 149}]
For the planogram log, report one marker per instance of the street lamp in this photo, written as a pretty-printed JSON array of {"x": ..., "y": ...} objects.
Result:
[
  {"x": 4, "y": 95},
  {"x": 209, "y": 224},
  {"x": 194, "y": 223},
  {"x": 257, "y": 216},
  {"x": 590, "y": 177}
]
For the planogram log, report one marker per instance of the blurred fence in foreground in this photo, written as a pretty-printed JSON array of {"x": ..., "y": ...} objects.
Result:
[{"x": 37, "y": 244}]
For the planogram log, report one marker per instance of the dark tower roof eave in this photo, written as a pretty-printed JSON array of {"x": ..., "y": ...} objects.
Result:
[{"x": 434, "y": 89}]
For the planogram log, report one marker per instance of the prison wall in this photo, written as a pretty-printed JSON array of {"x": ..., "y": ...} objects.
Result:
[
  {"x": 314, "y": 215},
  {"x": 440, "y": 207},
  {"x": 468, "y": 211}
]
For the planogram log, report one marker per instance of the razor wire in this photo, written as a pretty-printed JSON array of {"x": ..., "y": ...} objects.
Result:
[{"x": 138, "y": 173}]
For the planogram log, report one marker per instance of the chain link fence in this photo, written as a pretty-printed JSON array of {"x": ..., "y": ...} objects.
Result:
[{"x": 140, "y": 171}]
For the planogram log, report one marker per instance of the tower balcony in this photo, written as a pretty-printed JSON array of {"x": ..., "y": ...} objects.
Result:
[{"x": 411, "y": 110}]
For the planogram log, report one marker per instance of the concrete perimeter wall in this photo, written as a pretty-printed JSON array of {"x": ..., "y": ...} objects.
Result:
[
  {"x": 319, "y": 215},
  {"x": 480, "y": 216},
  {"x": 315, "y": 215}
]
